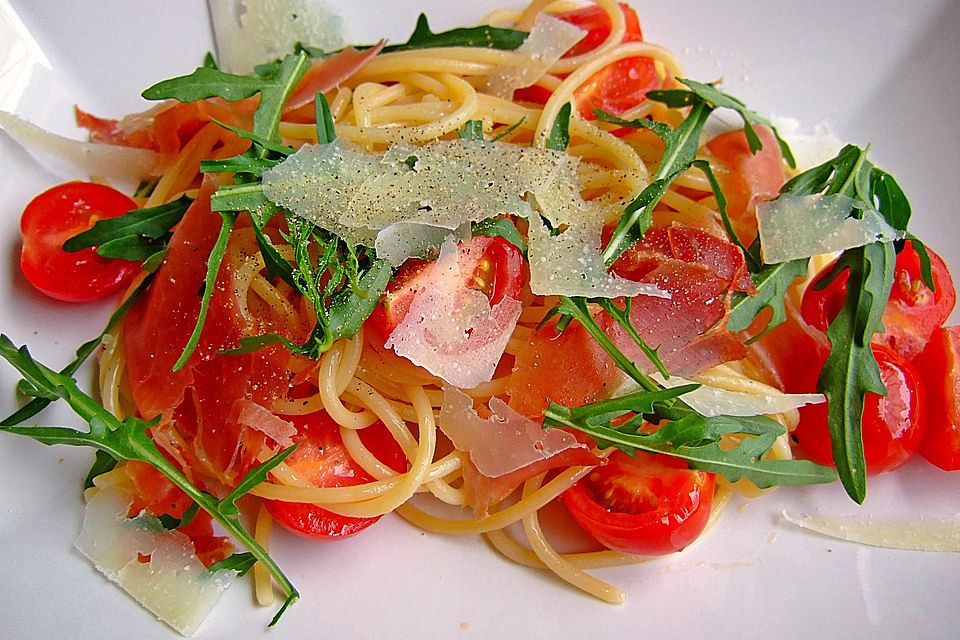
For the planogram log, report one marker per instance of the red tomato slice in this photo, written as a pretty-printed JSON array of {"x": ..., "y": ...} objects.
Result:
[
  {"x": 648, "y": 505},
  {"x": 746, "y": 177},
  {"x": 322, "y": 459},
  {"x": 619, "y": 86},
  {"x": 51, "y": 219},
  {"x": 495, "y": 267},
  {"x": 938, "y": 366},
  {"x": 892, "y": 424},
  {"x": 913, "y": 312}
]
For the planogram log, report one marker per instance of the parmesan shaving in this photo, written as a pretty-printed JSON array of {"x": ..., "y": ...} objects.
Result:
[
  {"x": 713, "y": 401},
  {"x": 504, "y": 442},
  {"x": 249, "y": 33},
  {"x": 570, "y": 264},
  {"x": 794, "y": 227},
  {"x": 404, "y": 240},
  {"x": 68, "y": 158},
  {"x": 173, "y": 584},
  {"x": 915, "y": 535},
  {"x": 549, "y": 39},
  {"x": 450, "y": 329}
]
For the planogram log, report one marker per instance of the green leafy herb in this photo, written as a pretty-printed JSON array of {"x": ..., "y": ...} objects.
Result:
[
  {"x": 151, "y": 222},
  {"x": 503, "y": 134},
  {"x": 501, "y": 228},
  {"x": 102, "y": 462},
  {"x": 128, "y": 440},
  {"x": 133, "y": 248},
  {"x": 239, "y": 562},
  {"x": 264, "y": 143},
  {"x": 209, "y": 61},
  {"x": 40, "y": 402},
  {"x": 559, "y": 137},
  {"x": 204, "y": 83},
  {"x": 228, "y": 221},
  {"x": 326, "y": 131},
  {"x": 481, "y": 36},
  {"x": 851, "y": 370},
  {"x": 472, "y": 130},
  {"x": 251, "y": 166},
  {"x": 773, "y": 283},
  {"x": 680, "y": 150}
]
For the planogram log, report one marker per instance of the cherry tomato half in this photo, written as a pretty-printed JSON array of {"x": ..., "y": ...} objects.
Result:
[
  {"x": 912, "y": 314},
  {"x": 495, "y": 267},
  {"x": 892, "y": 424},
  {"x": 648, "y": 505},
  {"x": 58, "y": 214},
  {"x": 938, "y": 366},
  {"x": 617, "y": 87},
  {"x": 322, "y": 459}
]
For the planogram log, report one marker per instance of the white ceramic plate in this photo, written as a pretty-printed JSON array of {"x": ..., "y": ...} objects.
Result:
[{"x": 877, "y": 71}]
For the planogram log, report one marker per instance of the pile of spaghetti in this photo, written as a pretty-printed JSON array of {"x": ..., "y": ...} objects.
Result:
[{"x": 533, "y": 328}]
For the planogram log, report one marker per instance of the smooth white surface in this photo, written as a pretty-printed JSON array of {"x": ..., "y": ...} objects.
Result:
[{"x": 881, "y": 71}]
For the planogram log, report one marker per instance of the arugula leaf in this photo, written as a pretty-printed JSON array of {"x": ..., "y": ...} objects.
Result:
[
  {"x": 501, "y": 228},
  {"x": 752, "y": 258},
  {"x": 326, "y": 131},
  {"x": 472, "y": 130},
  {"x": 851, "y": 371},
  {"x": 84, "y": 351},
  {"x": 239, "y": 164},
  {"x": 228, "y": 221},
  {"x": 622, "y": 316},
  {"x": 503, "y": 134},
  {"x": 204, "y": 83},
  {"x": 128, "y": 440},
  {"x": 102, "y": 462},
  {"x": 151, "y": 222},
  {"x": 240, "y": 197},
  {"x": 209, "y": 61},
  {"x": 681, "y": 145},
  {"x": 559, "y": 137},
  {"x": 773, "y": 282},
  {"x": 696, "y": 439},
  {"x": 264, "y": 143},
  {"x": 133, "y": 248},
  {"x": 481, "y": 36},
  {"x": 274, "y": 93},
  {"x": 239, "y": 562}
]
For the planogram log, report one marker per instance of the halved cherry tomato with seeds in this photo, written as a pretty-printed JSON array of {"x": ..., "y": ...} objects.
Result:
[
  {"x": 617, "y": 87},
  {"x": 648, "y": 505},
  {"x": 494, "y": 266},
  {"x": 322, "y": 459},
  {"x": 51, "y": 219},
  {"x": 913, "y": 312},
  {"x": 892, "y": 424}
]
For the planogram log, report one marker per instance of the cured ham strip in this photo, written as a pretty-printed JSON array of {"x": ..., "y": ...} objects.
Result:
[{"x": 326, "y": 73}]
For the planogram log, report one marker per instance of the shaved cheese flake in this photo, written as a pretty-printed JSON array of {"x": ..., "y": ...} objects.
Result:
[
  {"x": 794, "y": 227},
  {"x": 319, "y": 181},
  {"x": 809, "y": 150},
  {"x": 452, "y": 182},
  {"x": 173, "y": 584},
  {"x": 247, "y": 33},
  {"x": 251, "y": 414},
  {"x": 916, "y": 535},
  {"x": 549, "y": 39},
  {"x": 504, "y": 442},
  {"x": 570, "y": 264},
  {"x": 451, "y": 330},
  {"x": 713, "y": 401},
  {"x": 404, "y": 240},
  {"x": 68, "y": 158}
]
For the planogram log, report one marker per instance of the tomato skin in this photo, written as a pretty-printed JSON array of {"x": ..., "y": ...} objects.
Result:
[
  {"x": 648, "y": 505},
  {"x": 322, "y": 459},
  {"x": 893, "y": 425},
  {"x": 58, "y": 214},
  {"x": 938, "y": 366},
  {"x": 617, "y": 87},
  {"x": 494, "y": 265},
  {"x": 913, "y": 312}
]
